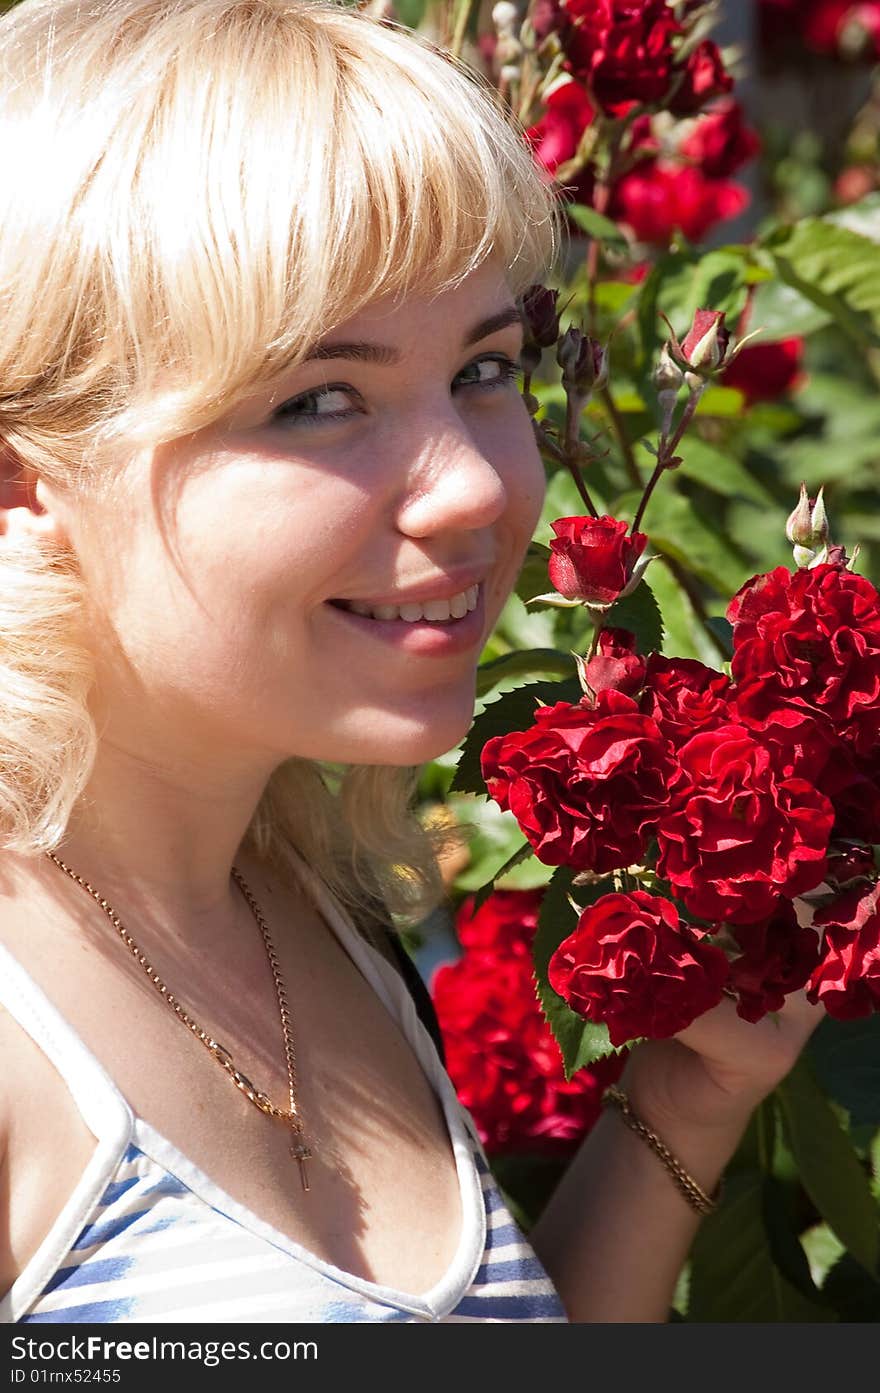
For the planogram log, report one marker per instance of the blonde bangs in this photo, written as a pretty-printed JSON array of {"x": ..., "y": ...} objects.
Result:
[{"x": 232, "y": 187}]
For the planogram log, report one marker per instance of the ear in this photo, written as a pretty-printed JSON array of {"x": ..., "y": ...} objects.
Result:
[{"x": 26, "y": 503}]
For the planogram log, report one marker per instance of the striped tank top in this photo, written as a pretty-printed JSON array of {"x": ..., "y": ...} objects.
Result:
[{"x": 148, "y": 1236}]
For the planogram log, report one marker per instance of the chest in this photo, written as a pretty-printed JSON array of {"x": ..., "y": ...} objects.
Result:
[{"x": 383, "y": 1199}]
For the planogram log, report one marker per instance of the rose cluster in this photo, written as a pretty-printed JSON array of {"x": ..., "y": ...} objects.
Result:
[
  {"x": 625, "y": 61},
  {"x": 718, "y": 801},
  {"x": 500, "y": 1052}
]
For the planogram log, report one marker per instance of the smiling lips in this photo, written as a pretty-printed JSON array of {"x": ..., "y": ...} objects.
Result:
[{"x": 435, "y": 611}]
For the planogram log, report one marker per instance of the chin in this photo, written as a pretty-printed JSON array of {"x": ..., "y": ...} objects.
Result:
[{"x": 404, "y": 742}]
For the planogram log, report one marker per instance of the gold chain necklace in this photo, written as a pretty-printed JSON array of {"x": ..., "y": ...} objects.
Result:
[{"x": 289, "y": 1116}]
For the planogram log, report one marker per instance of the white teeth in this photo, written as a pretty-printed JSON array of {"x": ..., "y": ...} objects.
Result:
[
  {"x": 410, "y": 613},
  {"x": 438, "y": 611}
]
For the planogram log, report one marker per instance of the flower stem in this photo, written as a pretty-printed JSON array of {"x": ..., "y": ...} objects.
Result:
[
  {"x": 570, "y": 452},
  {"x": 462, "y": 18}
]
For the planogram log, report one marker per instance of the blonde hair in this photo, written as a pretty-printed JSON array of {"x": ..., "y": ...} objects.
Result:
[{"x": 194, "y": 192}]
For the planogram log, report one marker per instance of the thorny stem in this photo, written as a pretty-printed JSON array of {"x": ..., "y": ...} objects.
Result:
[{"x": 666, "y": 452}]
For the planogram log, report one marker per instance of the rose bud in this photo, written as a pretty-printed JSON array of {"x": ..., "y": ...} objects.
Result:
[
  {"x": 807, "y": 529},
  {"x": 584, "y": 362},
  {"x": 615, "y": 664},
  {"x": 705, "y": 346},
  {"x": 595, "y": 561},
  {"x": 541, "y": 322}
]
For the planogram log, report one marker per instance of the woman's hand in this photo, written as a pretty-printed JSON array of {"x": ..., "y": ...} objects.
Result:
[{"x": 716, "y": 1071}]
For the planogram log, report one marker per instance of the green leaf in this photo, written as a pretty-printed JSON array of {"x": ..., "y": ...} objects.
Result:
[
  {"x": 530, "y": 662},
  {"x": 684, "y": 281},
  {"x": 533, "y": 575},
  {"x": 721, "y": 472},
  {"x": 733, "y": 1277},
  {"x": 781, "y": 312},
  {"x": 829, "y": 1168},
  {"x": 512, "y": 711},
  {"x": 597, "y": 227},
  {"x": 580, "y": 1041},
  {"x": 640, "y": 613},
  {"x": 521, "y": 854},
  {"x": 836, "y": 269},
  {"x": 845, "y": 1056}
]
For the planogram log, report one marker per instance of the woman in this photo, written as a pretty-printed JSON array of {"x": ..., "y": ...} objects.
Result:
[{"x": 259, "y": 338}]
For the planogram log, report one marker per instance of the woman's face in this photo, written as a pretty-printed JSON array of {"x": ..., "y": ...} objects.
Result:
[{"x": 261, "y": 580}]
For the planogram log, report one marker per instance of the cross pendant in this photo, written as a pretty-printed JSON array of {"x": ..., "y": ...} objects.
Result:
[{"x": 301, "y": 1153}]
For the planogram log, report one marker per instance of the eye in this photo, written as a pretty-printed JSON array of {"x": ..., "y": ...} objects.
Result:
[
  {"x": 489, "y": 373},
  {"x": 319, "y": 405}
]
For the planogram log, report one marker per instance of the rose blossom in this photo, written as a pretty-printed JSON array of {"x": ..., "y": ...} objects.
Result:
[
  {"x": 632, "y": 964},
  {"x": 555, "y": 137},
  {"x": 593, "y": 559},
  {"x": 847, "y": 980},
  {"x": 587, "y": 785},
  {"x": 704, "y": 78},
  {"x": 615, "y": 664},
  {"x": 778, "y": 955},
  {"x": 721, "y": 142},
  {"x": 739, "y": 834},
  {"x": 659, "y": 198},
  {"x": 812, "y": 638},
  {"x": 622, "y": 49},
  {"x": 684, "y": 696},
  {"x": 501, "y": 1054}
]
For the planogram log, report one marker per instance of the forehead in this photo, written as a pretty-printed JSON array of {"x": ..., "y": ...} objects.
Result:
[{"x": 480, "y": 304}]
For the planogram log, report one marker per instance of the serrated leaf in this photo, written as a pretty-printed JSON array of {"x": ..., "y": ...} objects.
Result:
[
  {"x": 512, "y": 711},
  {"x": 597, "y": 227},
  {"x": 733, "y": 1277},
  {"x": 521, "y": 854},
  {"x": 781, "y": 312},
  {"x": 640, "y": 613},
  {"x": 836, "y": 269},
  {"x": 581, "y": 1042},
  {"x": 829, "y": 1169},
  {"x": 529, "y": 662}
]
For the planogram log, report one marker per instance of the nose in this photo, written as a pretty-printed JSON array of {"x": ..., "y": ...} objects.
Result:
[{"x": 452, "y": 485}]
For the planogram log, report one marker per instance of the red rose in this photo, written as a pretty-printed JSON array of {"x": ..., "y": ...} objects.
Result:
[
  {"x": 684, "y": 696},
  {"x": 721, "y": 142},
  {"x": 844, "y": 28},
  {"x": 657, "y": 199},
  {"x": 705, "y": 77},
  {"x": 847, "y": 980},
  {"x": 567, "y": 114},
  {"x": 778, "y": 955},
  {"x": 632, "y": 964},
  {"x": 766, "y": 371},
  {"x": 622, "y": 49},
  {"x": 586, "y": 785},
  {"x": 593, "y": 559},
  {"x": 501, "y": 1055},
  {"x": 739, "y": 835},
  {"x": 615, "y": 664},
  {"x": 812, "y": 639}
]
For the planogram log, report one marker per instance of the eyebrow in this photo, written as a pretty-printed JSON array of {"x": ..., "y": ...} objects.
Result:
[{"x": 380, "y": 353}]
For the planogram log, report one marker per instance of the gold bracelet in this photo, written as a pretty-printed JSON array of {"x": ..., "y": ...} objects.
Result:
[{"x": 693, "y": 1193}]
